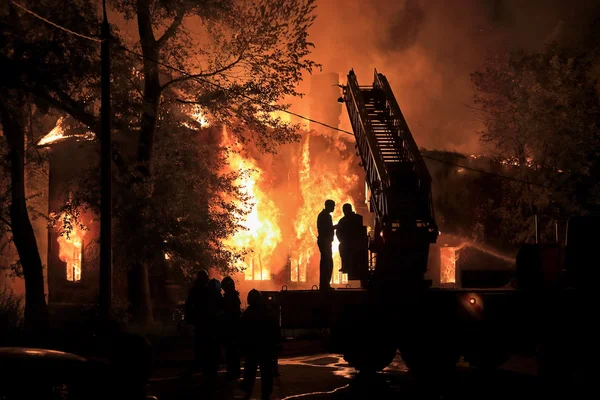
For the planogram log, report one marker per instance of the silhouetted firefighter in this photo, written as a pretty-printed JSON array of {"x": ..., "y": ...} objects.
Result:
[
  {"x": 231, "y": 325},
  {"x": 260, "y": 333},
  {"x": 203, "y": 309},
  {"x": 350, "y": 234},
  {"x": 325, "y": 229}
]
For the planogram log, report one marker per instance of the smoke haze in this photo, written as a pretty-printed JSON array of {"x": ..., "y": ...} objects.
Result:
[{"x": 428, "y": 48}]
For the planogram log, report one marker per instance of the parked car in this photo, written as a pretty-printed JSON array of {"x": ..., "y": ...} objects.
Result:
[{"x": 31, "y": 373}]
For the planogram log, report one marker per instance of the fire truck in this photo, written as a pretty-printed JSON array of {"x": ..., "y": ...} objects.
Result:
[{"x": 396, "y": 308}]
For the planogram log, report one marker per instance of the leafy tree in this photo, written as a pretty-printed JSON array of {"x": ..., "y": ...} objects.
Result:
[
  {"x": 246, "y": 57},
  {"x": 40, "y": 62},
  {"x": 195, "y": 204},
  {"x": 541, "y": 112}
]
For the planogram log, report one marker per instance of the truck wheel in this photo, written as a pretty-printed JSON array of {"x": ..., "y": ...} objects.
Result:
[
  {"x": 428, "y": 360},
  {"x": 365, "y": 337},
  {"x": 367, "y": 359}
]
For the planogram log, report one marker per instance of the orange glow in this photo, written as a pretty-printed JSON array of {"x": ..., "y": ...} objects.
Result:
[
  {"x": 54, "y": 135},
  {"x": 71, "y": 250},
  {"x": 58, "y": 133},
  {"x": 283, "y": 116},
  {"x": 447, "y": 265},
  {"x": 266, "y": 246},
  {"x": 262, "y": 233},
  {"x": 316, "y": 186},
  {"x": 199, "y": 116}
]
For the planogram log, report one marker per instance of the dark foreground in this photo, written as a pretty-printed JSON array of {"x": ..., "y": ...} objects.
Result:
[{"x": 328, "y": 376}]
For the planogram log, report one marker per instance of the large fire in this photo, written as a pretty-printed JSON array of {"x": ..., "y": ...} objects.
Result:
[
  {"x": 261, "y": 234},
  {"x": 316, "y": 186},
  {"x": 70, "y": 245},
  {"x": 317, "y": 182}
]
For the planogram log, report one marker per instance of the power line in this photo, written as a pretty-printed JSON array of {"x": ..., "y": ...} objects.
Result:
[
  {"x": 199, "y": 79},
  {"x": 486, "y": 172},
  {"x": 55, "y": 24}
]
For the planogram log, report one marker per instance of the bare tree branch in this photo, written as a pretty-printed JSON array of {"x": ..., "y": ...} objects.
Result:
[
  {"x": 5, "y": 222},
  {"x": 170, "y": 32},
  {"x": 184, "y": 78}
]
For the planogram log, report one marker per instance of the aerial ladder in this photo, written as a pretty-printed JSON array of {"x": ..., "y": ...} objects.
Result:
[
  {"x": 397, "y": 310},
  {"x": 398, "y": 181},
  {"x": 364, "y": 321}
]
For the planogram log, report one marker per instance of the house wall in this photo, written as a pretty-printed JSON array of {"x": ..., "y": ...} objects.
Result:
[{"x": 68, "y": 159}]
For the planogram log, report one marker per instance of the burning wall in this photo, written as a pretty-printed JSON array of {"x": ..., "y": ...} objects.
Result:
[
  {"x": 289, "y": 190},
  {"x": 73, "y": 257}
]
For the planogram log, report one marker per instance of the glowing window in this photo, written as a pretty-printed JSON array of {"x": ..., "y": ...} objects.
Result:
[
  {"x": 298, "y": 269},
  {"x": 447, "y": 265},
  {"x": 255, "y": 270},
  {"x": 70, "y": 251}
]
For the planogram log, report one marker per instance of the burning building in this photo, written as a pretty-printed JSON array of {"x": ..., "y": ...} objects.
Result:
[
  {"x": 289, "y": 190},
  {"x": 73, "y": 256}
]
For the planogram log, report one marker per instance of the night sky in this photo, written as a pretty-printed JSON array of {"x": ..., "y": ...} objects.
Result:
[{"x": 428, "y": 48}]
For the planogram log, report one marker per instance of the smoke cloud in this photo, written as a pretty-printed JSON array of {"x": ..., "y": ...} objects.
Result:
[{"x": 428, "y": 48}]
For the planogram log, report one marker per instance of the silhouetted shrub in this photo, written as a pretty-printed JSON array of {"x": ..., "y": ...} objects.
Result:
[{"x": 11, "y": 316}]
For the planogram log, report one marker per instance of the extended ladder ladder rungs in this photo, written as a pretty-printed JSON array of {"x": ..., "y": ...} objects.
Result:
[{"x": 397, "y": 177}]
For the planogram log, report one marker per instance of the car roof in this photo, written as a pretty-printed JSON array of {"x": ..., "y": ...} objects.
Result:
[
  {"x": 36, "y": 355},
  {"x": 43, "y": 364}
]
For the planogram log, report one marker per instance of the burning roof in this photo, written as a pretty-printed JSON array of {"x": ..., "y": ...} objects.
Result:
[{"x": 64, "y": 131}]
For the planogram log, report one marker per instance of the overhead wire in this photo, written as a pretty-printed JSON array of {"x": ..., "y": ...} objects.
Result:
[
  {"x": 275, "y": 108},
  {"x": 197, "y": 78},
  {"x": 55, "y": 24}
]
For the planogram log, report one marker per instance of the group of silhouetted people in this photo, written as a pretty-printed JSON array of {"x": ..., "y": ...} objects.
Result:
[
  {"x": 351, "y": 234},
  {"x": 220, "y": 323}
]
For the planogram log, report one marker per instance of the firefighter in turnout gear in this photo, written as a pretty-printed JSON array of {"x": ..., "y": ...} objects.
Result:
[
  {"x": 325, "y": 229},
  {"x": 260, "y": 335},
  {"x": 350, "y": 234}
]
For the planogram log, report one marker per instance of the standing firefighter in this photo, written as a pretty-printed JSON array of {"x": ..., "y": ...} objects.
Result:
[
  {"x": 325, "y": 229},
  {"x": 260, "y": 333},
  {"x": 203, "y": 309},
  {"x": 231, "y": 325},
  {"x": 350, "y": 234}
]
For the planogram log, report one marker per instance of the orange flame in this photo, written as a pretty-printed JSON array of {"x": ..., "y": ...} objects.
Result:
[
  {"x": 71, "y": 250},
  {"x": 317, "y": 182},
  {"x": 316, "y": 187},
  {"x": 448, "y": 265},
  {"x": 56, "y": 134},
  {"x": 262, "y": 234}
]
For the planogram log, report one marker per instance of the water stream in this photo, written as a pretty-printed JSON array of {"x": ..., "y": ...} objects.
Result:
[{"x": 466, "y": 242}]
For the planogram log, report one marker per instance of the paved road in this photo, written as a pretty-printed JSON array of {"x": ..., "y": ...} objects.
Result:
[{"x": 327, "y": 376}]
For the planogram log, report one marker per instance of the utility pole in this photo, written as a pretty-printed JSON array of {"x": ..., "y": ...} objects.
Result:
[{"x": 105, "y": 174}]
